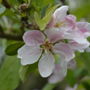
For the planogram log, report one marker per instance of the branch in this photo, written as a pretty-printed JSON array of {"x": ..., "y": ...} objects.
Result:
[
  {"x": 25, "y": 23},
  {"x": 10, "y": 37},
  {"x": 6, "y": 4}
]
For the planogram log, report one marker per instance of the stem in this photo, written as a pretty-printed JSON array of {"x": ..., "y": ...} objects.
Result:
[
  {"x": 6, "y": 4},
  {"x": 10, "y": 37}
]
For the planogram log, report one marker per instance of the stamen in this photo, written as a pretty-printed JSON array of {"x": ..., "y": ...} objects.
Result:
[
  {"x": 59, "y": 24},
  {"x": 47, "y": 46}
]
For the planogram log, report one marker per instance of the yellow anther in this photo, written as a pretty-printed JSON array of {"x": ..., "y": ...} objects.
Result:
[{"x": 59, "y": 24}]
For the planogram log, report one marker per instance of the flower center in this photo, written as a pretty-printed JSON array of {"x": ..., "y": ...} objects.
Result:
[
  {"x": 59, "y": 24},
  {"x": 47, "y": 46}
]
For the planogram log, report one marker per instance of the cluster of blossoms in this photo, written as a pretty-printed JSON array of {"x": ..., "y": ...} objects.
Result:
[{"x": 63, "y": 37}]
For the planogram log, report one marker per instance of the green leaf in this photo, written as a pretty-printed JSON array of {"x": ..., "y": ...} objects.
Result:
[
  {"x": 25, "y": 71},
  {"x": 0, "y": 1},
  {"x": 14, "y": 2},
  {"x": 86, "y": 85},
  {"x": 85, "y": 58},
  {"x": 12, "y": 48},
  {"x": 42, "y": 22},
  {"x": 70, "y": 78},
  {"x": 49, "y": 86},
  {"x": 27, "y": 1},
  {"x": 9, "y": 76},
  {"x": 82, "y": 11},
  {"x": 2, "y": 9},
  {"x": 39, "y": 4}
]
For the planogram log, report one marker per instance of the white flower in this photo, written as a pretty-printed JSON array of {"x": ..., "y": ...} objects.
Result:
[
  {"x": 38, "y": 47},
  {"x": 42, "y": 45}
]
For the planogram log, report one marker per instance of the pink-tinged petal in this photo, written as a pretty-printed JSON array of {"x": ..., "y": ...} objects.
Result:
[
  {"x": 75, "y": 35},
  {"x": 33, "y": 37},
  {"x": 60, "y": 13},
  {"x": 84, "y": 27},
  {"x": 54, "y": 34},
  {"x": 80, "y": 40},
  {"x": 72, "y": 64},
  {"x": 64, "y": 50},
  {"x": 59, "y": 73},
  {"x": 78, "y": 47},
  {"x": 46, "y": 64},
  {"x": 70, "y": 21},
  {"x": 51, "y": 23},
  {"x": 81, "y": 24},
  {"x": 29, "y": 54}
]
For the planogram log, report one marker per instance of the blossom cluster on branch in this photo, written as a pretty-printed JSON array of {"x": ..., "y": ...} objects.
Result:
[{"x": 62, "y": 37}]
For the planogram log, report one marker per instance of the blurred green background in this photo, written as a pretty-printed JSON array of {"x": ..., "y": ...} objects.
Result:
[{"x": 13, "y": 21}]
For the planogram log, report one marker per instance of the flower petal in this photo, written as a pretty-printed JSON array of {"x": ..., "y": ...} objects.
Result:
[
  {"x": 33, "y": 37},
  {"x": 80, "y": 40},
  {"x": 51, "y": 23},
  {"x": 54, "y": 34},
  {"x": 64, "y": 50},
  {"x": 81, "y": 24},
  {"x": 46, "y": 64},
  {"x": 75, "y": 35},
  {"x": 29, "y": 54},
  {"x": 70, "y": 21},
  {"x": 78, "y": 47},
  {"x": 60, "y": 13},
  {"x": 59, "y": 73},
  {"x": 84, "y": 27}
]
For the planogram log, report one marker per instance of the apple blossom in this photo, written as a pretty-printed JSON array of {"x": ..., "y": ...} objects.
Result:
[
  {"x": 75, "y": 32},
  {"x": 63, "y": 36},
  {"x": 38, "y": 47}
]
